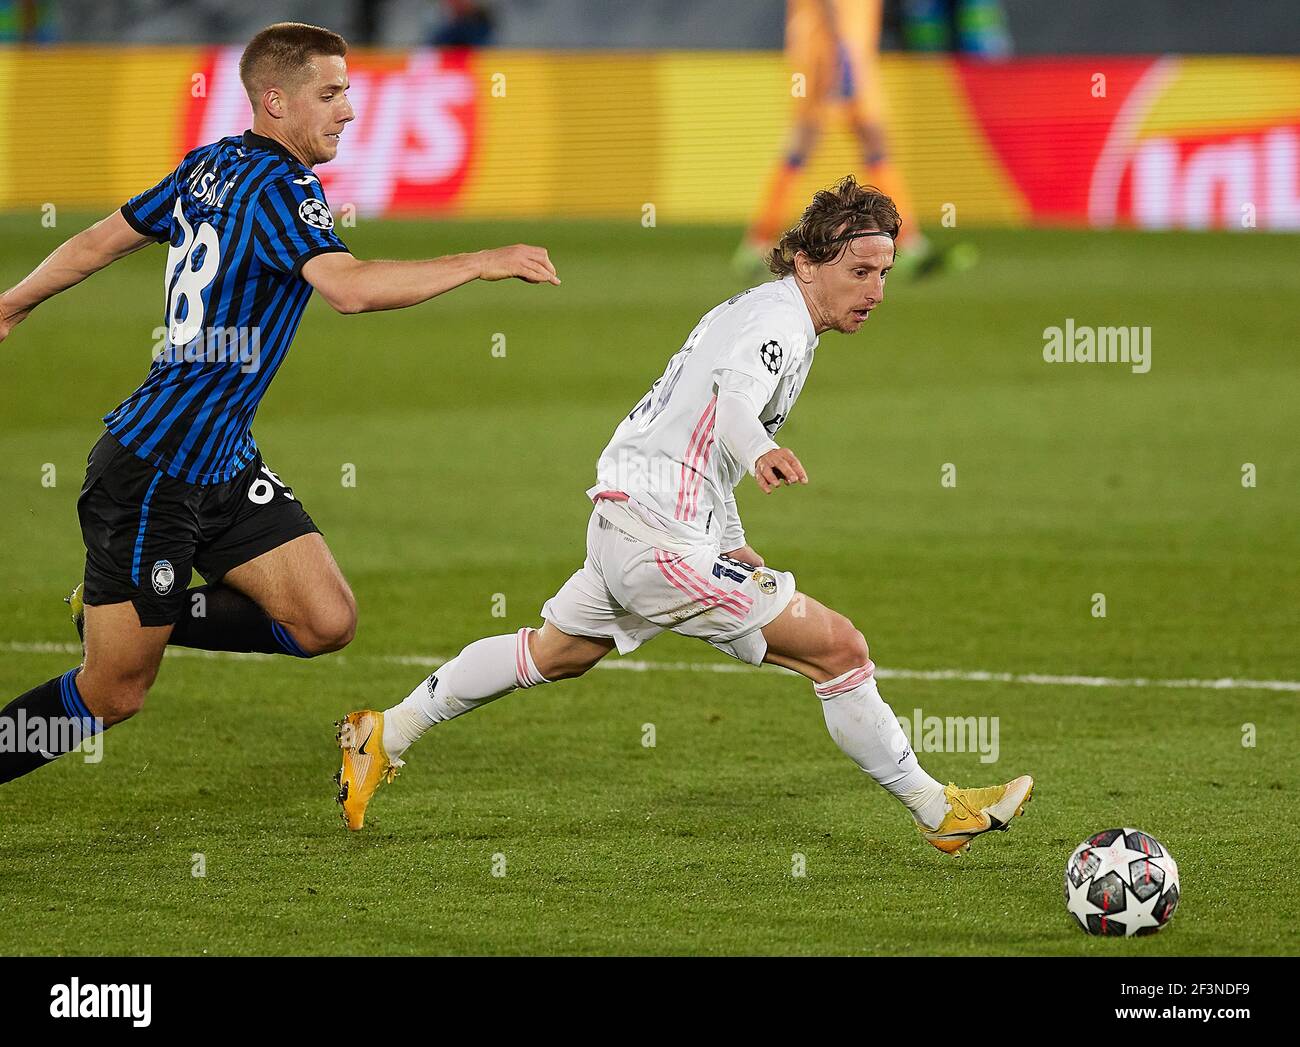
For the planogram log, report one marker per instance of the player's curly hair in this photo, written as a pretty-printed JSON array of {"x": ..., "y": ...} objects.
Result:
[
  {"x": 835, "y": 214},
  {"x": 280, "y": 54}
]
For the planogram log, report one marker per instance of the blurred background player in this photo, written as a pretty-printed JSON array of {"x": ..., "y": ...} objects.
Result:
[
  {"x": 835, "y": 45},
  {"x": 27, "y": 21},
  {"x": 971, "y": 27},
  {"x": 464, "y": 23}
]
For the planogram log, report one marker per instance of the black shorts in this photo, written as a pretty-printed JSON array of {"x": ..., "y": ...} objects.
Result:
[{"x": 145, "y": 531}]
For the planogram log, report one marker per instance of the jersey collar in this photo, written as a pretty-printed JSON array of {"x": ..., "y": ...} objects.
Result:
[{"x": 253, "y": 141}]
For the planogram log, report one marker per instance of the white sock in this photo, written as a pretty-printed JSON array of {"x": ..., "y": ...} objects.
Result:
[
  {"x": 481, "y": 673},
  {"x": 867, "y": 730}
]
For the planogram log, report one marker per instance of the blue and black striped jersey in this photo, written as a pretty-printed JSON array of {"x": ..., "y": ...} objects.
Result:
[{"x": 241, "y": 217}]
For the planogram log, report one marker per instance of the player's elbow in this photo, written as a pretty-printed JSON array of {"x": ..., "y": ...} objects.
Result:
[
  {"x": 348, "y": 302},
  {"x": 337, "y": 277}
]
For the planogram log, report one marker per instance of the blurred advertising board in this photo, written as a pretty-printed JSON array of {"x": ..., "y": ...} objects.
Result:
[{"x": 1153, "y": 143}]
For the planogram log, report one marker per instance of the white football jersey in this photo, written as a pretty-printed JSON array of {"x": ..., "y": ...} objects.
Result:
[{"x": 664, "y": 456}]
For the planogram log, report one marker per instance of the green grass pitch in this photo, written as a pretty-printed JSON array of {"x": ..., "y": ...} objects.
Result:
[{"x": 1072, "y": 480}]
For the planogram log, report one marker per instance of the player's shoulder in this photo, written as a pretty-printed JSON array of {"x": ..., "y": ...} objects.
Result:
[
  {"x": 775, "y": 306},
  {"x": 221, "y": 147},
  {"x": 241, "y": 156},
  {"x": 200, "y": 155},
  {"x": 292, "y": 192},
  {"x": 289, "y": 186}
]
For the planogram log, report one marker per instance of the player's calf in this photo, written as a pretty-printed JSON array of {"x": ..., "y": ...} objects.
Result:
[
  {"x": 219, "y": 618},
  {"x": 483, "y": 672},
  {"x": 559, "y": 656},
  {"x": 122, "y": 659},
  {"x": 42, "y": 724},
  {"x": 55, "y": 717},
  {"x": 306, "y": 603},
  {"x": 825, "y": 647}
]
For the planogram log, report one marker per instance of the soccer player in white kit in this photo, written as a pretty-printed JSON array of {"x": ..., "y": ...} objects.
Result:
[{"x": 665, "y": 544}]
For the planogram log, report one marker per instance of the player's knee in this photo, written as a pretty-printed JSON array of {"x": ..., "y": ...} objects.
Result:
[
  {"x": 124, "y": 702},
  {"x": 329, "y": 628},
  {"x": 117, "y": 696},
  {"x": 847, "y": 648},
  {"x": 859, "y": 652}
]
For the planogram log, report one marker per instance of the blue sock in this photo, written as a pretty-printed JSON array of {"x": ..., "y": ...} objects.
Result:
[
  {"x": 218, "y": 618},
  {"x": 38, "y": 727}
]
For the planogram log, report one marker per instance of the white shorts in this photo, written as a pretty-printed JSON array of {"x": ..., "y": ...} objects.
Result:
[{"x": 628, "y": 591}]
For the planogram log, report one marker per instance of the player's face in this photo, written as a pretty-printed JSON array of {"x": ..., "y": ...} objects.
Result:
[
  {"x": 847, "y": 289},
  {"x": 319, "y": 109}
]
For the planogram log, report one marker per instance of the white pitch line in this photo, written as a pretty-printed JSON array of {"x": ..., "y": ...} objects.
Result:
[{"x": 637, "y": 666}]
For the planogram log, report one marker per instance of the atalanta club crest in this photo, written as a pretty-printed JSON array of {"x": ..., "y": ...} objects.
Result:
[{"x": 164, "y": 576}]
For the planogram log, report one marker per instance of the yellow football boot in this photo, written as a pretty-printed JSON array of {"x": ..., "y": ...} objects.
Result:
[
  {"x": 77, "y": 608},
  {"x": 975, "y": 811},
  {"x": 365, "y": 764}
]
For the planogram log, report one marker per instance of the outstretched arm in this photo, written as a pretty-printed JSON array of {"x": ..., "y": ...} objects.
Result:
[
  {"x": 75, "y": 259},
  {"x": 352, "y": 285}
]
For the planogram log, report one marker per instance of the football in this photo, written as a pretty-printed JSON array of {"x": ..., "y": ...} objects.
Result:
[{"x": 1121, "y": 882}]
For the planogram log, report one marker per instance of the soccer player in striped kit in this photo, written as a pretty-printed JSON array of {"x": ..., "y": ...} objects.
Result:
[
  {"x": 665, "y": 544},
  {"x": 177, "y": 482}
]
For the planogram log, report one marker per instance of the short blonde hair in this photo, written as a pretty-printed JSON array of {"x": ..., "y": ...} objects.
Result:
[{"x": 280, "y": 55}]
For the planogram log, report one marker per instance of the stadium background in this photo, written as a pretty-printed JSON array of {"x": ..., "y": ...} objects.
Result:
[
  {"x": 1164, "y": 203},
  {"x": 1152, "y": 142}
]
